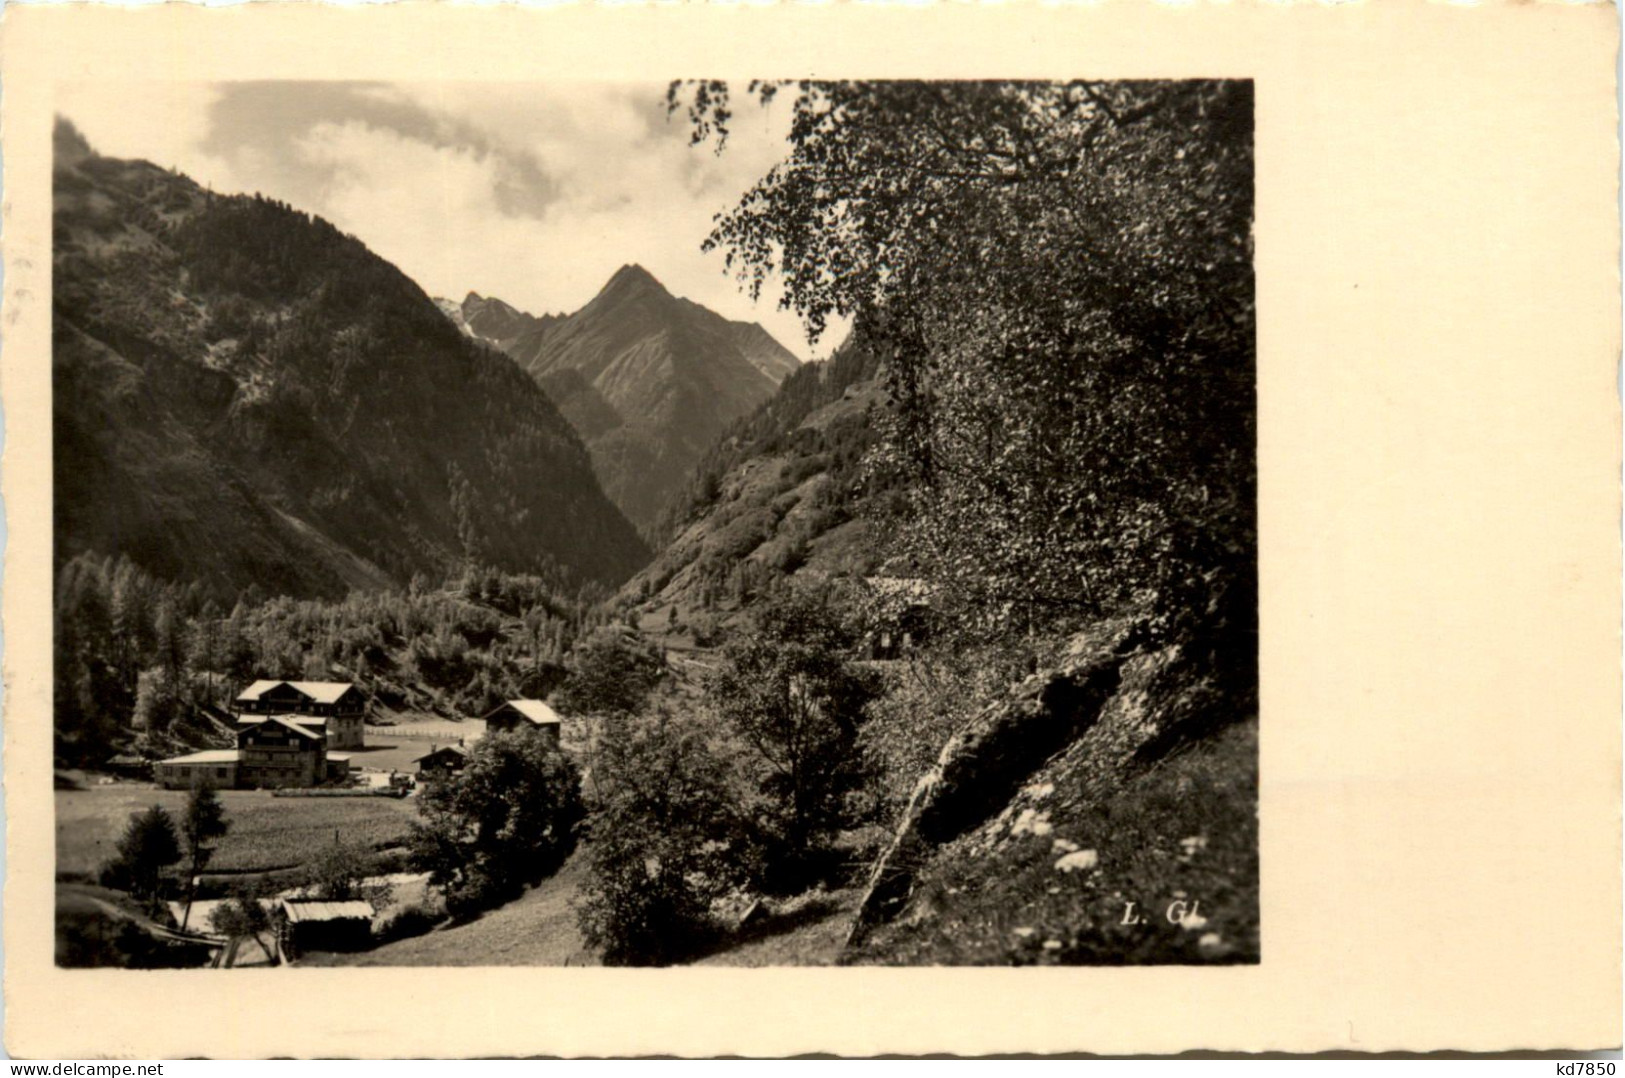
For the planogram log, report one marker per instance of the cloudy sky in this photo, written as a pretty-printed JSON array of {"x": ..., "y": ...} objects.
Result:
[{"x": 535, "y": 193}]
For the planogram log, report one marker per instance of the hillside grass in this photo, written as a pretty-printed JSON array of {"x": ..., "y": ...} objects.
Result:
[
  {"x": 536, "y": 929},
  {"x": 540, "y": 929},
  {"x": 808, "y": 931}
]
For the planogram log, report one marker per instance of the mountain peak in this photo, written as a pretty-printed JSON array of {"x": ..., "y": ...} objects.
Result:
[
  {"x": 69, "y": 143},
  {"x": 663, "y": 376},
  {"x": 632, "y": 277}
]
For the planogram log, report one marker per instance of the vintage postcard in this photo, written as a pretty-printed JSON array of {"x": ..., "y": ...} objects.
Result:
[{"x": 623, "y": 530}]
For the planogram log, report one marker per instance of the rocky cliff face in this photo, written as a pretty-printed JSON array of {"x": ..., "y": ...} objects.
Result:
[{"x": 245, "y": 396}]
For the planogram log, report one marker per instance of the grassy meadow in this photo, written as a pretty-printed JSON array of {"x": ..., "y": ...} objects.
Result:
[{"x": 267, "y": 833}]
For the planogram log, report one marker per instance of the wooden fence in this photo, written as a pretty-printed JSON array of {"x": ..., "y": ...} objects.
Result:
[{"x": 467, "y": 731}]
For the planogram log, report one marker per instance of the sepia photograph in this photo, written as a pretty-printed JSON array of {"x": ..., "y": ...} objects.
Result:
[{"x": 741, "y": 523}]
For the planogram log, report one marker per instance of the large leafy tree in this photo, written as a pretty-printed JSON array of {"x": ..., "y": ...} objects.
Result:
[
  {"x": 1060, "y": 277},
  {"x": 506, "y": 821},
  {"x": 789, "y": 692},
  {"x": 611, "y": 674},
  {"x": 668, "y": 840}
]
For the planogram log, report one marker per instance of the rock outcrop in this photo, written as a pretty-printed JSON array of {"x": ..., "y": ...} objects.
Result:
[{"x": 1112, "y": 702}]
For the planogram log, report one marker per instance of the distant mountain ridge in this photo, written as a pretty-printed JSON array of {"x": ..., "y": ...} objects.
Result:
[
  {"x": 649, "y": 380},
  {"x": 496, "y": 321},
  {"x": 245, "y": 396},
  {"x": 764, "y": 351}
]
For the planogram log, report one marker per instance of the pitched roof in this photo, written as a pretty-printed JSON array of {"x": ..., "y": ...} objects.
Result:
[
  {"x": 290, "y": 725},
  {"x": 323, "y": 692},
  {"x": 208, "y": 756},
  {"x": 298, "y": 720},
  {"x": 444, "y": 748},
  {"x": 534, "y": 710},
  {"x": 305, "y": 910}
]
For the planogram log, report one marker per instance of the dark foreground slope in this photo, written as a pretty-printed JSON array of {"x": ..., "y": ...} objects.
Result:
[
  {"x": 649, "y": 379},
  {"x": 245, "y": 396},
  {"x": 1103, "y": 811}
]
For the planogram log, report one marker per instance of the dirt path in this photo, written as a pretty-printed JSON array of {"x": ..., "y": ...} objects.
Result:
[
  {"x": 69, "y": 896},
  {"x": 537, "y": 929}
]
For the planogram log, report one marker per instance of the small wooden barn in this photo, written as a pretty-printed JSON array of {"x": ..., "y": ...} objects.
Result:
[
  {"x": 529, "y": 715},
  {"x": 312, "y": 925},
  {"x": 441, "y": 763}
]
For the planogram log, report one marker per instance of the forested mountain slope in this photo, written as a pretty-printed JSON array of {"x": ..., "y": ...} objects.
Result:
[
  {"x": 786, "y": 490},
  {"x": 245, "y": 396}
]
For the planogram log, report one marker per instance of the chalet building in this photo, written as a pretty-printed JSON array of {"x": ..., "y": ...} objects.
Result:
[
  {"x": 271, "y": 754},
  {"x": 277, "y": 753},
  {"x": 315, "y": 724},
  {"x": 337, "y": 706},
  {"x": 441, "y": 763},
  {"x": 531, "y": 715}
]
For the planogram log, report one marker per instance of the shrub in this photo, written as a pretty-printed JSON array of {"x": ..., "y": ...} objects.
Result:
[
  {"x": 335, "y": 874},
  {"x": 667, "y": 843},
  {"x": 90, "y": 940},
  {"x": 406, "y": 922},
  {"x": 243, "y": 917},
  {"x": 476, "y": 889}
]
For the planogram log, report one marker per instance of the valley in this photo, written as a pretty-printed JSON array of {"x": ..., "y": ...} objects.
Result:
[{"x": 668, "y": 647}]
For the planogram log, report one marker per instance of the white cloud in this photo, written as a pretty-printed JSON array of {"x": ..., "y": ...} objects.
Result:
[
  {"x": 161, "y": 122},
  {"x": 418, "y": 173}
]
